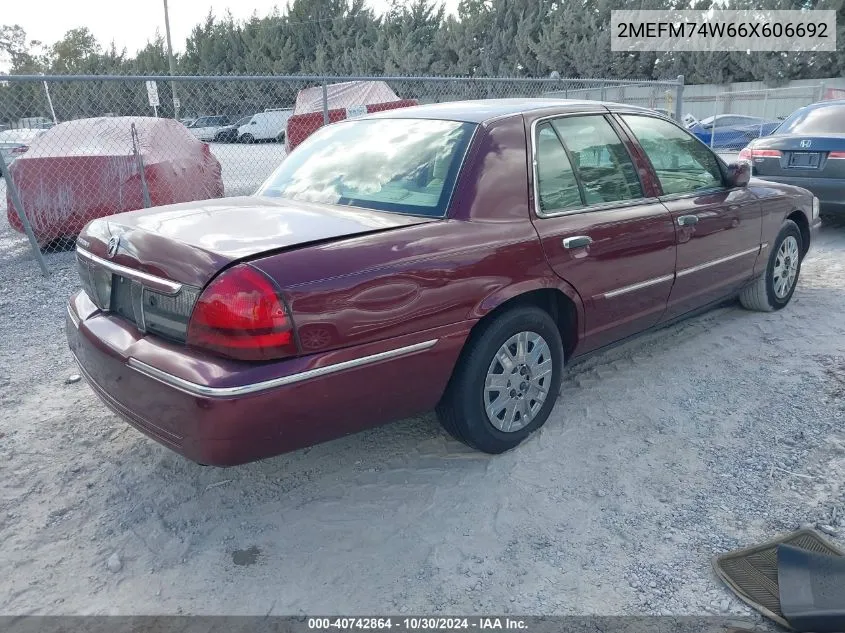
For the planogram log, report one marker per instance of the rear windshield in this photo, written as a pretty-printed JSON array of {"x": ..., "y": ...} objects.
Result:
[
  {"x": 399, "y": 165},
  {"x": 821, "y": 120}
]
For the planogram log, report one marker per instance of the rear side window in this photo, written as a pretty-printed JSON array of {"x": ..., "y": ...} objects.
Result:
[
  {"x": 556, "y": 185},
  {"x": 599, "y": 158},
  {"x": 682, "y": 163}
]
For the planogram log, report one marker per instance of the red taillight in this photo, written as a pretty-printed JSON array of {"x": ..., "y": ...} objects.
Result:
[
  {"x": 749, "y": 153},
  {"x": 836, "y": 155},
  {"x": 240, "y": 315},
  {"x": 20, "y": 150}
]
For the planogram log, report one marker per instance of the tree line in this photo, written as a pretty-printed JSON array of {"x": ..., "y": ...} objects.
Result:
[{"x": 484, "y": 38}]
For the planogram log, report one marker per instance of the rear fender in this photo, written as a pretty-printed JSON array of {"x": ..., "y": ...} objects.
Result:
[{"x": 502, "y": 295}]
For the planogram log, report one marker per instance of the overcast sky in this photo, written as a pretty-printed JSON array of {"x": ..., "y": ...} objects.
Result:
[{"x": 49, "y": 20}]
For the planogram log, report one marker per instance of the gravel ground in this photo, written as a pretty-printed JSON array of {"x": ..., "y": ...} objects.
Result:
[{"x": 716, "y": 433}]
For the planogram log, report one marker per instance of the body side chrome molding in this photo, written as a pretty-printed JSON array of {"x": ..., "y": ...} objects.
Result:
[
  {"x": 638, "y": 286},
  {"x": 195, "y": 389},
  {"x": 716, "y": 262},
  {"x": 171, "y": 287},
  {"x": 686, "y": 271}
]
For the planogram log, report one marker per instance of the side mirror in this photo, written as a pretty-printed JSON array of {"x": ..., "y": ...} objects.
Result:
[{"x": 739, "y": 174}]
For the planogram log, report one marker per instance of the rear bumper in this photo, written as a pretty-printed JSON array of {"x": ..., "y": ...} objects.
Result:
[
  {"x": 829, "y": 191},
  {"x": 222, "y": 413}
]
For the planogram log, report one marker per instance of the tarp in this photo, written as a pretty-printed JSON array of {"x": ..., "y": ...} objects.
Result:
[
  {"x": 86, "y": 169},
  {"x": 343, "y": 95}
]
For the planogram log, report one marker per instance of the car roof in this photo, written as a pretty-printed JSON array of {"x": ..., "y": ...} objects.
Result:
[
  {"x": 824, "y": 104},
  {"x": 487, "y": 109}
]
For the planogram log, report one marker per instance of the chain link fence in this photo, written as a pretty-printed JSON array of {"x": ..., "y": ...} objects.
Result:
[
  {"x": 730, "y": 120},
  {"x": 77, "y": 148}
]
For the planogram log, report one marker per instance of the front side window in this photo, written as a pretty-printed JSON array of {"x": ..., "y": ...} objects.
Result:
[
  {"x": 682, "y": 163},
  {"x": 599, "y": 158},
  {"x": 399, "y": 165}
]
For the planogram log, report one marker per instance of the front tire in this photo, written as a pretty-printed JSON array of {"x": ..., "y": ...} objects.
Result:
[
  {"x": 506, "y": 381},
  {"x": 248, "y": 138},
  {"x": 775, "y": 287}
]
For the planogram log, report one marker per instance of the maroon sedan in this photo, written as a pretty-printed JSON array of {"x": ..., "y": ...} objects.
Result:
[{"x": 451, "y": 256}]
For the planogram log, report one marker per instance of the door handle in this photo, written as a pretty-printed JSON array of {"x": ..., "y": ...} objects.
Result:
[
  {"x": 577, "y": 242},
  {"x": 687, "y": 220}
]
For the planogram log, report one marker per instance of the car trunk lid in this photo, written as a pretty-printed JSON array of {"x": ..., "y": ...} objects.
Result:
[
  {"x": 149, "y": 266},
  {"x": 812, "y": 156},
  {"x": 190, "y": 242}
]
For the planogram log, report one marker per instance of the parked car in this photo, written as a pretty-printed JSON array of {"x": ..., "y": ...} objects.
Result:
[
  {"x": 35, "y": 123},
  {"x": 15, "y": 143},
  {"x": 187, "y": 122},
  {"x": 730, "y": 131},
  {"x": 269, "y": 125},
  {"x": 453, "y": 255},
  {"x": 205, "y": 128},
  {"x": 86, "y": 168},
  {"x": 807, "y": 150},
  {"x": 229, "y": 134}
]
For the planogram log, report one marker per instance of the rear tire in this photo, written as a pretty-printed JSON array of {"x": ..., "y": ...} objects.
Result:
[
  {"x": 775, "y": 287},
  {"x": 506, "y": 381}
]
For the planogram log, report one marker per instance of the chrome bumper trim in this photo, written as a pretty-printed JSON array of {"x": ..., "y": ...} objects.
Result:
[
  {"x": 195, "y": 389},
  {"x": 168, "y": 286},
  {"x": 73, "y": 317}
]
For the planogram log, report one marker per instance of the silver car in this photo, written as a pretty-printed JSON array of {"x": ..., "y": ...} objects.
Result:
[{"x": 13, "y": 143}]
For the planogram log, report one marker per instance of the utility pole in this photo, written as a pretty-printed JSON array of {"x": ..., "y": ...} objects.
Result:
[{"x": 171, "y": 62}]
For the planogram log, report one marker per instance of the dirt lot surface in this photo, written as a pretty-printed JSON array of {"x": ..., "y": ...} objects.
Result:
[{"x": 716, "y": 433}]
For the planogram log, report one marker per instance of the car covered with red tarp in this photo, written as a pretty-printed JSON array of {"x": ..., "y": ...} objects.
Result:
[{"x": 90, "y": 168}]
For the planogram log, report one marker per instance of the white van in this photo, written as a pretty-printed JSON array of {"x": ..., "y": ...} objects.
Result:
[{"x": 265, "y": 126}]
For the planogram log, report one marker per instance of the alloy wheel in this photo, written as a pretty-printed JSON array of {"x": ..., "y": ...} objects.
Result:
[{"x": 517, "y": 381}]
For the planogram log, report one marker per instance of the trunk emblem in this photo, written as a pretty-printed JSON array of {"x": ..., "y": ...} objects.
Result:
[
  {"x": 806, "y": 143},
  {"x": 114, "y": 244}
]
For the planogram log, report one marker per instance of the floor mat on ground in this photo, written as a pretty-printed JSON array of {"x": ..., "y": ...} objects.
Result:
[{"x": 752, "y": 573}]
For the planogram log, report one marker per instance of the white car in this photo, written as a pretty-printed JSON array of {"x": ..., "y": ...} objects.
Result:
[
  {"x": 14, "y": 143},
  {"x": 205, "y": 128},
  {"x": 269, "y": 125}
]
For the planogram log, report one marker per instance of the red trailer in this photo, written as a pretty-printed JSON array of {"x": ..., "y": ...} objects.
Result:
[{"x": 345, "y": 101}]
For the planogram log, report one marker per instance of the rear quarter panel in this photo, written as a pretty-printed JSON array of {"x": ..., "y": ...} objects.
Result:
[
  {"x": 388, "y": 284},
  {"x": 777, "y": 202}
]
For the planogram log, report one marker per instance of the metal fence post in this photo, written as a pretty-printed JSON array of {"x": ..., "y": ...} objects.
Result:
[
  {"x": 325, "y": 104},
  {"x": 821, "y": 92},
  {"x": 139, "y": 161},
  {"x": 715, "y": 118},
  {"x": 679, "y": 99},
  {"x": 16, "y": 200},
  {"x": 50, "y": 103}
]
